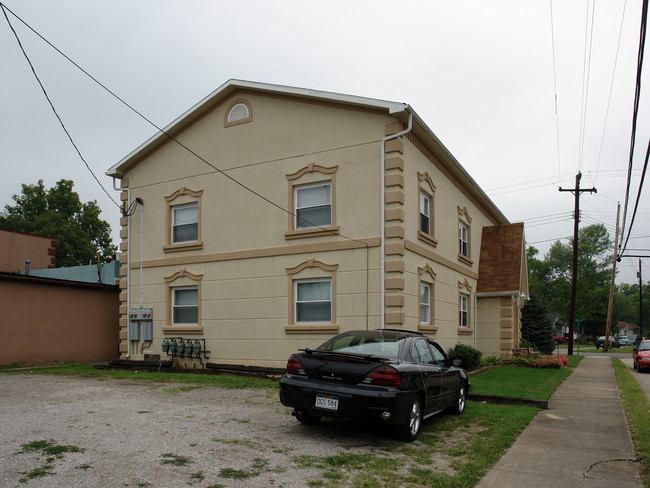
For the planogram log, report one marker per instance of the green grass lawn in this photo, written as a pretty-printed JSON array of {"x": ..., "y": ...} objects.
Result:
[
  {"x": 521, "y": 382},
  {"x": 591, "y": 348},
  {"x": 637, "y": 406}
]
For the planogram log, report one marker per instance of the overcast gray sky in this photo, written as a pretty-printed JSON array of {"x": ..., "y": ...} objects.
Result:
[{"x": 480, "y": 74}]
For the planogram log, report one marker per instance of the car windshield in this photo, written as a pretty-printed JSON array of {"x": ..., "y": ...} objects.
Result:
[
  {"x": 644, "y": 346},
  {"x": 377, "y": 343}
]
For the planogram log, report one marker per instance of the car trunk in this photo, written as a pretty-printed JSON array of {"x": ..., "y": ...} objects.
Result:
[{"x": 339, "y": 368}]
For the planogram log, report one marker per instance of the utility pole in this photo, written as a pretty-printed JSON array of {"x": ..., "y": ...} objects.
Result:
[
  {"x": 611, "y": 286},
  {"x": 574, "y": 268},
  {"x": 640, "y": 300}
]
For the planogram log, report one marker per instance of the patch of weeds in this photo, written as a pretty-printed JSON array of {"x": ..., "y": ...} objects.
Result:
[
  {"x": 45, "y": 470},
  {"x": 259, "y": 465},
  {"x": 83, "y": 467},
  {"x": 217, "y": 485},
  {"x": 175, "y": 460},
  {"x": 241, "y": 421},
  {"x": 52, "y": 452},
  {"x": 235, "y": 442},
  {"x": 197, "y": 477},
  {"x": 144, "y": 411},
  {"x": 144, "y": 484}
]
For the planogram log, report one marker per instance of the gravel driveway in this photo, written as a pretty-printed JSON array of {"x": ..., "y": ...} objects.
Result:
[{"x": 127, "y": 433}]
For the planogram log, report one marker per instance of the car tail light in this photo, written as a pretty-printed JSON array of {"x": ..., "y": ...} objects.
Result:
[
  {"x": 383, "y": 376},
  {"x": 294, "y": 366}
]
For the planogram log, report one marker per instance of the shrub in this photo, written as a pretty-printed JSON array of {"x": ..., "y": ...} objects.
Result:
[
  {"x": 550, "y": 362},
  {"x": 520, "y": 361},
  {"x": 490, "y": 361},
  {"x": 470, "y": 357}
]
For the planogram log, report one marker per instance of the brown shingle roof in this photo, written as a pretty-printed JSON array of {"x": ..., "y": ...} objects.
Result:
[{"x": 500, "y": 263}]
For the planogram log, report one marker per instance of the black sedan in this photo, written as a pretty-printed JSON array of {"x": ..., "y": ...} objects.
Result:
[{"x": 391, "y": 376}]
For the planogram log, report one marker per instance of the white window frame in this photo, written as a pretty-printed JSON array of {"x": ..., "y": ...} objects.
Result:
[
  {"x": 425, "y": 307},
  {"x": 425, "y": 201},
  {"x": 463, "y": 239},
  {"x": 300, "y": 188},
  {"x": 463, "y": 310},
  {"x": 173, "y": 222},
  {"x": 175, "y": 307},
  {"x": 296, "y": 302}
]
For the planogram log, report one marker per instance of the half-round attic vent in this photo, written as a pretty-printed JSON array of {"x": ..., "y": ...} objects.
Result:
[{"x": 238, "y": 112}]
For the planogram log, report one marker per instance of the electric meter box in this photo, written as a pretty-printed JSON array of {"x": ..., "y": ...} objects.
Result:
[{"x": 141, "y": 321}]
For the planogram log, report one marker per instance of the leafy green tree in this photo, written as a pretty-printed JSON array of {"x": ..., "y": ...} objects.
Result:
[
  {"x": 536, "y": 327},
  {"x": 81, "y": 236},
  {"x": 551, "y": 277}
]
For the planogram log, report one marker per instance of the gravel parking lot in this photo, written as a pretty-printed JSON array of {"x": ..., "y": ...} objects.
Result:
[{"x": 72, "y": 431}]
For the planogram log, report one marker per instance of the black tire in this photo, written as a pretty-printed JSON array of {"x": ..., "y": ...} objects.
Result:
[
  {"x": 305, "y": 418},
  {"x": 410, "y": 429},
  {"x": 459, "y": 407}
]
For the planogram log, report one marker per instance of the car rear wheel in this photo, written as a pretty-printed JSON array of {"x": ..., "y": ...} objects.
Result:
[
  {"x": 305, "y": 418},
  {"x": 459, "y": 406},
  {"x": 410, "y": 429}
]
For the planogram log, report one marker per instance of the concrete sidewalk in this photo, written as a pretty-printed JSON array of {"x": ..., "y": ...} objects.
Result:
[{"x": 581, "y": 440}]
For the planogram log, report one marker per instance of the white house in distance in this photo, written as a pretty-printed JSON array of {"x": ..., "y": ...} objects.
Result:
[{"x": 268, "y": 218}]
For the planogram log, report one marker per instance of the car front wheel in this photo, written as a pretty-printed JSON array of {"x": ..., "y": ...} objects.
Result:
[{"x": 410, "y": 429}]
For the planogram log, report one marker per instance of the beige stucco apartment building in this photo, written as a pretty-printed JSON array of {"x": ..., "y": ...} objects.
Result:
[{"x": 268, "y": 218}]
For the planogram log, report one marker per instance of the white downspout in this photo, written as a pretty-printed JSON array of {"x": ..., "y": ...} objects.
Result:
[
  {"x": 141, "y": 248},
  {"x": 382, "y": 224},
  {"x": 128, "y": 269}
]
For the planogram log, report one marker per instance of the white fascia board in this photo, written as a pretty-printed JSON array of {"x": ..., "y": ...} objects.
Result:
[{"x": 231, "y": 85}]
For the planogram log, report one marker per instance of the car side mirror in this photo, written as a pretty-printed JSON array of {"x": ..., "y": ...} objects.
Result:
[{"x": 457, "y": 362}]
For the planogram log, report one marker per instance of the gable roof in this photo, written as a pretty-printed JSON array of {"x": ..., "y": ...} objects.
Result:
[
  {"x": 502, "y": 258},
  {"x": 401, "y": 111}
]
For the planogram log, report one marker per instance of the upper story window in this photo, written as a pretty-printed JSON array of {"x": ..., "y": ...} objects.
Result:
[
  {"x": 426, "y": 209},
  {"x": 425, "y": 204},
  {"x": 238, "y": 112},
  {"x": 313, "y": 205},
  {"x": 464, "y": 237},
  {"x": 312, "y": 198},
  {"x": 185, "y": 223},
  {"x": 183, "y": 220}
]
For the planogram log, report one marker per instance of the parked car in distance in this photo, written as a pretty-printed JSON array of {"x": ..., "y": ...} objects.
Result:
[
  {"x": 625, "y": 341},
  {"x": 395, "y": 377},
  {"x": 641, "y": 356},
  {"x": 600, "y": 342}
]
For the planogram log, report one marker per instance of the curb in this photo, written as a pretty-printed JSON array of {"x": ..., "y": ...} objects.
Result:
[{"x": 508, "y": 400}]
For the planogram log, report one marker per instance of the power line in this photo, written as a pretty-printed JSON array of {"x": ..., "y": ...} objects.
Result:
[
  {"x": 49, "y": 101},
  {"x": 557, "y": 122},
  {"x": 159, "y": 129},
  {"x": 637, "y": 96}
]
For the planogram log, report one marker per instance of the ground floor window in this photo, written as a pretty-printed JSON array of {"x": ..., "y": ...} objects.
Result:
[
  {"x": 185, "y": 305},
  {"x": 313, "y": 300},
  {"x": 463, "y": 310}
]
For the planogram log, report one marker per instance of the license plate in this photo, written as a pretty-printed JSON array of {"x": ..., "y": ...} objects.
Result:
[{"x": 327, "y": 402}]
